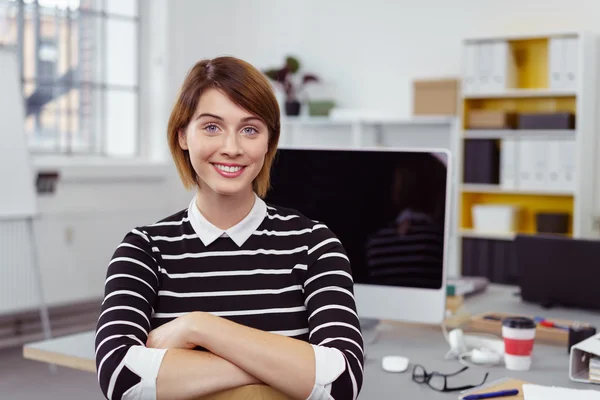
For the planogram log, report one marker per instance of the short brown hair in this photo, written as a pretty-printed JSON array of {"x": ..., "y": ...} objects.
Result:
[{"x": 244, "y": 85}]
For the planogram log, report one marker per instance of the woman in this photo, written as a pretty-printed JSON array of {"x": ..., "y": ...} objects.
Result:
[{"x": 265, "y": 291}]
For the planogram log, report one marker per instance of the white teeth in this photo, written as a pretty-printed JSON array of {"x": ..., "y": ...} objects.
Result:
[{"x": 228, "y": 168}]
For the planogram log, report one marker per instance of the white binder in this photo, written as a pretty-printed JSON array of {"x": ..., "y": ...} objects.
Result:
[
  {"x": 567, "y": 163},
  {"x": 470, "y": 68},
  {"x": 526, "y": 164},
  {"x": 571, "y": 62},
  {"x": 580, "y": 357},
  {"x": 539, "y": 155},
  {"x": 486, "y": 67},
  {"x": 504, "y": 73},
  {"x": 556, "y": 63},
  {"x": 554, "y": 165},
  {"x": 509, "y": 172}
]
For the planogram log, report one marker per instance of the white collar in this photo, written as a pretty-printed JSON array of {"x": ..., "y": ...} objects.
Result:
[{"x": 239, "y": 233}]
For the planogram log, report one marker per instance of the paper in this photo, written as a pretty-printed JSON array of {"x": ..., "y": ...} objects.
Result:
[{"x": 537, "y": 392}]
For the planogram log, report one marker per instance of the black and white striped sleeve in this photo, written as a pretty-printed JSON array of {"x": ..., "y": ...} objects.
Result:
[
  {"x": 334, "y": 328},
  {"x": 125, "y": 367}
]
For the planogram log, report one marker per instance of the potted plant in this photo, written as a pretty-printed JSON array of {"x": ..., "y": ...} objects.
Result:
[{"x": 285, "y": 76}]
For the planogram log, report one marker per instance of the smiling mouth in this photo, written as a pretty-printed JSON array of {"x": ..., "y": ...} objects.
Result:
[{"x": 228, "y": 168}]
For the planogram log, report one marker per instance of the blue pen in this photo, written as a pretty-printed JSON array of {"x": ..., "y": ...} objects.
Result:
[{"x": 491, "y": 395}]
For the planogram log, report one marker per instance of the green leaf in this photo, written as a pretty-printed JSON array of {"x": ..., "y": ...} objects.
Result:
[
  {"x": 292, "y": 63},
  {"x": 278, "y": 75}
]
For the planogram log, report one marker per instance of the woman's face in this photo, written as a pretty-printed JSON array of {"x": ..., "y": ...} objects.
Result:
[{"x": 227, "y": 144}]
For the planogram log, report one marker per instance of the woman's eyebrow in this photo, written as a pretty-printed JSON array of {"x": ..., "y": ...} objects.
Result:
[
  {"x": 246, "y": 119},
  {"x": 210, "y": 115},
  {"x": 250, "y": 119}
]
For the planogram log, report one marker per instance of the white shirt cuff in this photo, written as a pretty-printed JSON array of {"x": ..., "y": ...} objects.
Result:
[
  {"x": 330, "y": 364},
  {"x": 144, "y": 362}
]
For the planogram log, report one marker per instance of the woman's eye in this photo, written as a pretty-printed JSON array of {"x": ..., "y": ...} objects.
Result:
[
  {"x": 211, "y": 128},
  {"x": 249, "y": 130}
]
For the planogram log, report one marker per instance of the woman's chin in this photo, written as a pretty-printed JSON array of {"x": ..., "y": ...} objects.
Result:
[{"x": 232, "y": 190}]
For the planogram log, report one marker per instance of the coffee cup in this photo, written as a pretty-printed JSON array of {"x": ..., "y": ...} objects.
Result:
[{"x": 518, "y": 334}]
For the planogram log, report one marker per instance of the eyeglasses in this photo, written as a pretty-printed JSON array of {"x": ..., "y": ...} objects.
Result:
[{"x": 439, "y": 381}]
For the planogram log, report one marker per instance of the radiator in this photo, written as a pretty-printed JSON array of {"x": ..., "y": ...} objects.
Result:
[
  {"x": 18, "y": 290},
  {"x": 16, "y": 329}
]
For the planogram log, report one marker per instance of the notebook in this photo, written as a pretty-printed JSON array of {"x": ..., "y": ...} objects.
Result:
[
  {"x": 500, "y": 384},
  {"x": 537, "y": 392}
]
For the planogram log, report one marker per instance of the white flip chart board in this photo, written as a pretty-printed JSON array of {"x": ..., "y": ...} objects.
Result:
[{"x": 17, "y": 179}]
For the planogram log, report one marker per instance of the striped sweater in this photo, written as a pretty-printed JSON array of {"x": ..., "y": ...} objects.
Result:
[{"x": 290, "y": 276}]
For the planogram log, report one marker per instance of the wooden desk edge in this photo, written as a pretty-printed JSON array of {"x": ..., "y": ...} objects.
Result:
[{"x": 32, "y": 353}]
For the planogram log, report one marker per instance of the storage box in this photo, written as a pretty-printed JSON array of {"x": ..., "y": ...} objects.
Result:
[
  {"x": 491, "y": 119},
  {"x": 481, "y": 161},
  {"x": 495, "y": 218},
  {"x": 560, "y": 120},
  {"x": 579, "y": 370},
  {"x": 435, "y": 97},
  {"x": 547, "y": 222}
]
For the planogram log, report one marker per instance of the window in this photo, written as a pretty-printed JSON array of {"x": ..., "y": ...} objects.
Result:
[{"x": 79, "y": 70}]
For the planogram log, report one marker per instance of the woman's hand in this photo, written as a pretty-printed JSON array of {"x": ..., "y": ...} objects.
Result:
[{"x": 177, "y": 334}]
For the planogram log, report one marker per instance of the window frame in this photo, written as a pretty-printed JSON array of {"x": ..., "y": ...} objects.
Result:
[{"x": 99, "y": 87}]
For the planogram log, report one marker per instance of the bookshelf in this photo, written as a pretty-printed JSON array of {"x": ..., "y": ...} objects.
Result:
[{"x": 520, "y": 74}]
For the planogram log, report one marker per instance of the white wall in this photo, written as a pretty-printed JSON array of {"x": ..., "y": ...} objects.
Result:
[{"x": 367, "y": 51}]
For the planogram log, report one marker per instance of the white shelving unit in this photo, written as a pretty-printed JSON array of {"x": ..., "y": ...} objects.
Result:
[
  {"x": 368, "y": 131},
  {"x": 521, "y": 93},
  {"x": 516, "y": 133},
  {"x": 496, "y": 78},
  {"x": 470, "y": 233},
  {"x": 484, "y": 188}
]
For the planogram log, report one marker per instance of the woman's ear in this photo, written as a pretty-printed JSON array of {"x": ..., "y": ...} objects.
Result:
[{"x": 182, "y": 139}]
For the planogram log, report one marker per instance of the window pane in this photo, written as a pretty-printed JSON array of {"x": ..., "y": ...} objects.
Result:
[
  {"x": 86, "y": 50},
  {"x": 87, "y": 138},
  {"x": 43, "y": 117},
  {"x": 48, "y": 47},
  {"x": 60, "y": 4},
  {"x": 65, "y": 121},
  {"x": 121, "y": 52},
  {"x": 8, "y": 24},
  {"x": 122, "y": 7},
  {"x": 121, "y": 123},
  {"x": 29, "y": 46},
  {"x": 93, "y": 5}
]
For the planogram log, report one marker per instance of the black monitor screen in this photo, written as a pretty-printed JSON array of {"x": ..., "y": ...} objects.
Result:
[{"x": 386, "y": 207}]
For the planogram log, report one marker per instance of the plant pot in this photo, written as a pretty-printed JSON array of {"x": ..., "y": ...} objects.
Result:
[
  {"x": 320, "y": 108},
  {"x": 292, "y": 108}
]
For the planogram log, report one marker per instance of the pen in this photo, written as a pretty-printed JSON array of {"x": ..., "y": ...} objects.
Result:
[
  {"x": 491, "y": 395},
  {"x": 550, "y": 324}
]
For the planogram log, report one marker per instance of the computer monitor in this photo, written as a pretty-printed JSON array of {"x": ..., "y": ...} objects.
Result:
[{"x": 390, "y": 209}]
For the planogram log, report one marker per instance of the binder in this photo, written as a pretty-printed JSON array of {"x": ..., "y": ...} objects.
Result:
[
  {"x": 526, "y": 164},
  {"x": 504, "y": 73},
  {"x": 556, "y": 63},
  {"x": 571, "y": 62},
  {"x": 539, "y": 154},
  {"x": 509, "y": 163},
  {"x": 555, "y": 165},
  {"x": 579, "y": 369},
  {"x": 485, "y": 69},
  {"x": 567, "y": 164},
  {"x": 470, "y": 68}
]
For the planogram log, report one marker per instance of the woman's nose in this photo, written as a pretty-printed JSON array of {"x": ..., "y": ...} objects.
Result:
[{"x": 231, "y": 145}]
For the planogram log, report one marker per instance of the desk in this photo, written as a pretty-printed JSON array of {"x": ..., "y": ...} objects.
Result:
[{"x": 424, "y": 345}]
